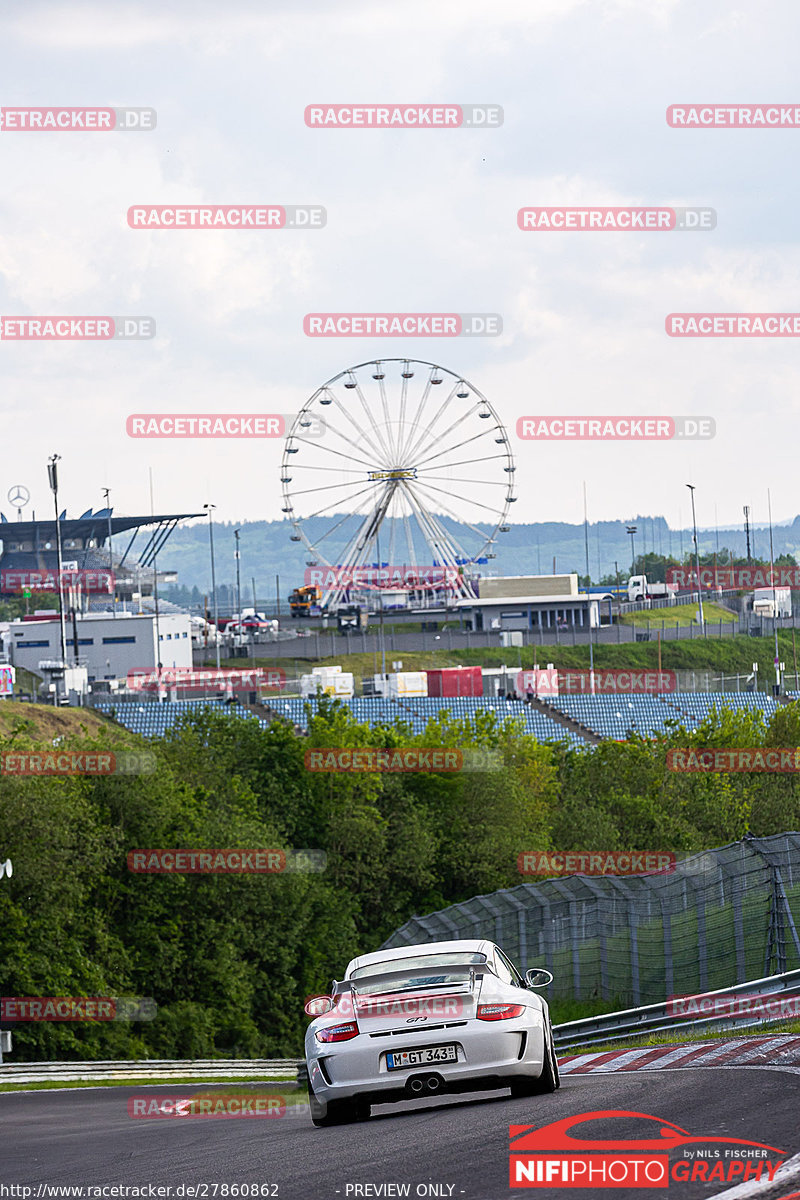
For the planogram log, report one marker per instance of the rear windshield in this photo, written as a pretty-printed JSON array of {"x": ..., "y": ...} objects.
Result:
[{"x": 396, "y": 966}]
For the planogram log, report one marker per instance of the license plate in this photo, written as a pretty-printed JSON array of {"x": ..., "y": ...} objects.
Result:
[{"x": 399, "y": 1059}]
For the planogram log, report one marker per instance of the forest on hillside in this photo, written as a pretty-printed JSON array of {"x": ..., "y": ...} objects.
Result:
[{"x": 229, "y": 959}]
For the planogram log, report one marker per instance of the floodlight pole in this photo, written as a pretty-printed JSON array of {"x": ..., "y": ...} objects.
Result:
[
  {"x": 106, "y": 494},
  {"x": 236, "y": 533},
  {"x": 588, "y": 592},
  {"x": 631, "y": 531},
  {"x": 211, "y": 508},
  {"x": 380, "y": 616},
  {"x": 697, "y": 562},
  {"x": 52, "y": 472},
  {"x": 774, "y": 595},
  {"x": 746, "y": 511}
]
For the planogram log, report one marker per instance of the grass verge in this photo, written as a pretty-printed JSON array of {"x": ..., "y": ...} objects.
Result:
[
  {"x": 143, "y": 1081},
  {"x": 731, "y": 655},
  {"x": 680, "y": 614},
  {"x": 643, "y": 1041}
]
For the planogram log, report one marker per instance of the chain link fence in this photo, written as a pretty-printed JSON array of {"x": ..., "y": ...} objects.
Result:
[{"x": 724, "y": 916}]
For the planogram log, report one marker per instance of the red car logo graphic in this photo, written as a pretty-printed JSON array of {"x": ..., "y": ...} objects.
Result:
[{"x": 556, "y": 1136}]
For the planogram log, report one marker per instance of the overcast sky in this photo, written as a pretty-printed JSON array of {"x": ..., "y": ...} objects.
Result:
[{"x": 417, "y": 220}]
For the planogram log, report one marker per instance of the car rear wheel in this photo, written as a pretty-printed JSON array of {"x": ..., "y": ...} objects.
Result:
[
  {"x": 337, "y": 1112},
  {"x": 549, "y": 1079}
]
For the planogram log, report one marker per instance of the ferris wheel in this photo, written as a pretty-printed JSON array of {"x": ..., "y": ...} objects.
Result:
[{"x": 397, "y": 461}]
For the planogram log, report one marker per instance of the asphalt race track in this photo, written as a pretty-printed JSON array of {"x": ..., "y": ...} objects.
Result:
[{"x": 86, "y": 1137}]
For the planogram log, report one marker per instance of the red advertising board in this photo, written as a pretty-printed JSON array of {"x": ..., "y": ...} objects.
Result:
[{"x": 455, "y": 681}]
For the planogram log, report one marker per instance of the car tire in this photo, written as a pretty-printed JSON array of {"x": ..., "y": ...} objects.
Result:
[
  {"x": 522, "y": 1086},
  {"x": 553, "y": 1055},
  {"x": 337, "y": 1112},
  {"x": 543, "y": 1084}
]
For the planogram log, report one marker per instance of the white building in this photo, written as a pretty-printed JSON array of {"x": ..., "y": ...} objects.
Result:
[
  {"x": 530, "y": 602},
  {"x": 108, "y": 646}
]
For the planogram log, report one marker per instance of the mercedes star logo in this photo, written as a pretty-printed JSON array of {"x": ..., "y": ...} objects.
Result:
[{"x": 18, "y": 496}]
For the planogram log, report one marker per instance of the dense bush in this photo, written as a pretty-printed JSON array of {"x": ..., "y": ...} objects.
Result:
[{"x": 230, "y": 958}]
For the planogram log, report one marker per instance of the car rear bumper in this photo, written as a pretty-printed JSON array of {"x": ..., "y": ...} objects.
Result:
[{"x": 487, "y": 1057}]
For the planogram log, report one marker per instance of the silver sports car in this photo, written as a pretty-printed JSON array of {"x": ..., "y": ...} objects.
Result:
[{"x": 420, "y": 1020}]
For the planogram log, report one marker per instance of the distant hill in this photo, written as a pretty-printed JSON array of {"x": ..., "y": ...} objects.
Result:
[{"x": 525, "y": 550}]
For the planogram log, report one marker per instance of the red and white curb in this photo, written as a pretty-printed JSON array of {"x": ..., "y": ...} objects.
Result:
[
  {"x": 786, "y": 1176},
  {"x": 728, "y": 1052}
]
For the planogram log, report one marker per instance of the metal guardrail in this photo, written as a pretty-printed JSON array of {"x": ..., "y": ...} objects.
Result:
[
  {"x": 202, "y": 1069},
  {"x": 654, "y": 1018},
  {"x": 608, "y": 1027}
]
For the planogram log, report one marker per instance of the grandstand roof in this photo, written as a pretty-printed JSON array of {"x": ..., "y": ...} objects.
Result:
[
  {"x": 89, "y": 524},
  {"x": 31, "y": 545}
]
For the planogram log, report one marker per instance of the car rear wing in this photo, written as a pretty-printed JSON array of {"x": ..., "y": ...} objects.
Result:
[{"x": 468, "y": 972}]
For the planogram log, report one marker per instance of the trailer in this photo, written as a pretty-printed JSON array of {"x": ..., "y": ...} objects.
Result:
[
  {"x": 402, "y": 683},
  {"x": 455, "y": 681},
  {"x": 772, "y": 602}
]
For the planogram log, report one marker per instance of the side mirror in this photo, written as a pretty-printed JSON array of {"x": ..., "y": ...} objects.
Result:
[
  {"x": 317, "y": 1006},
  {"x": 538, "y": 978}
]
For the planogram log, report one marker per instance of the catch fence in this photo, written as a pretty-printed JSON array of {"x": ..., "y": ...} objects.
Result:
[{"x": 721, "y": 917}]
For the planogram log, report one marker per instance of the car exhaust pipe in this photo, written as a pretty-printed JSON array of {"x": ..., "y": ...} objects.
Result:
[
  {"x": 434, "y": 1083},
  {"x": 416, "y": 1085}
]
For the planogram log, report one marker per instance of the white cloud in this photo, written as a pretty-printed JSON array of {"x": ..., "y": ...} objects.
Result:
[{"x": 418, "y": 221}]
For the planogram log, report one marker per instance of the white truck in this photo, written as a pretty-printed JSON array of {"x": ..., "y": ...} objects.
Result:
[
  {"x": 204, "y": 633},
  {"x": 640, "y": 589},
  {"x": 772, "y": 602}
]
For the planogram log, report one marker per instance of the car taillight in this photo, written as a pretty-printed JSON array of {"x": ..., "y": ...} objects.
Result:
[
  {"x": 338, "y": 1033},
  {"x": 499, "y": 1012}
]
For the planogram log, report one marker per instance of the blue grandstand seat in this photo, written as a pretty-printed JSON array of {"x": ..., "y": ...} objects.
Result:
[
  {"x": 153, "y": 719},
  {"x": 607, "y": 716}
]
